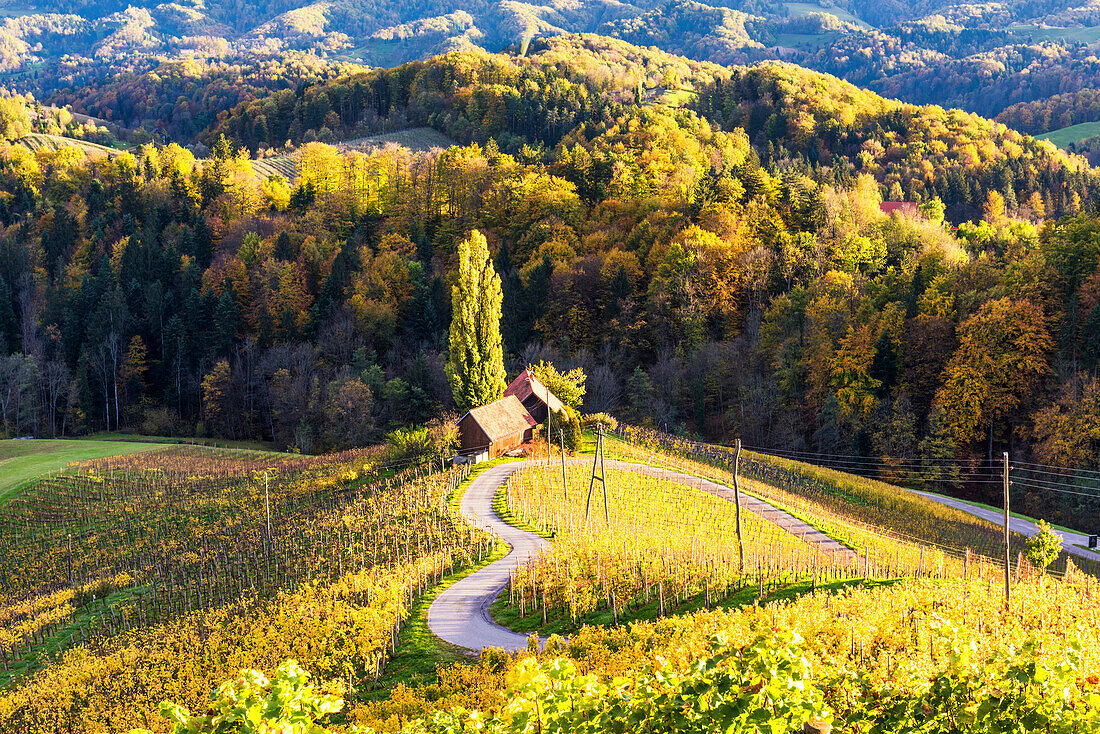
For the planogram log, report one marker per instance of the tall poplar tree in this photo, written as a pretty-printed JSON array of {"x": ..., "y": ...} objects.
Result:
[{"x": 475, "y": 366}]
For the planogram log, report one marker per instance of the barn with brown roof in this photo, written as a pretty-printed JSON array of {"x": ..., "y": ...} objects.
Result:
[
  {"x": 534, "y": 395},
  {"x": 494, "y": 429}
]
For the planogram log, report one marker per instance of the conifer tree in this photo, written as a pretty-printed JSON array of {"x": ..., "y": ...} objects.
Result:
[{"x": 475, "y": 366}]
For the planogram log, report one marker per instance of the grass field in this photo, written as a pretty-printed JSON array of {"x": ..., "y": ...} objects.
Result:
[
  {"x": 23, "y": 460},
  {"x": 15, "y": 10},
  {"x": 805, "y": 41},
  {"x": 798, "y": 9},
  {"x": 38, "y": 141},
  {"x": 1086, "y": 34},
  {"x": 388, "y": 53},
  {"x": 1062, "y": 138}
]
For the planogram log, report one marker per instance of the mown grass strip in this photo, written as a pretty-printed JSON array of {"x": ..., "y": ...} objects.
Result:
[{"x": 23, "y": 461}]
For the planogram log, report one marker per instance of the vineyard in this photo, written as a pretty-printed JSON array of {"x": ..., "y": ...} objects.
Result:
[
  {"x": 666, "y": 542},
  {"x": 866, "y": 512},
  {"x": 417, "y": 139},
  {"x": 139, "y": 578},
  {"x": 921, "y": 656},
  {"x": 136, "y": 579},
  {"x": 282, "y": 165},
  {"x": 899, "y": 634},
  {"x": 41, "y": 141}
]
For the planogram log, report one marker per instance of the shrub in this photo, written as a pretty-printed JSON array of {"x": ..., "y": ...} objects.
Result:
[
  {"x": 569, "y": 424},
  {"x": 255, "y": 704},
  {"x": 607, "y": 419},
  {"x": 409, "y": 444}
]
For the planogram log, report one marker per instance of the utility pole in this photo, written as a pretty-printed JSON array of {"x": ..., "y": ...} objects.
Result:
[
  {"x": 598, "y": 459},
  {"x": 737, "y": 502},
  {"x": 1008, "y": 551},
  {"x": 547, "y": 390}
]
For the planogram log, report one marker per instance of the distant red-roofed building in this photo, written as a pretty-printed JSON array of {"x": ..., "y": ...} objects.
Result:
[
  {"x": 904, "y": 208},
  {"x": 535, "y": 396},
  {"x": 494, "y": 429}
]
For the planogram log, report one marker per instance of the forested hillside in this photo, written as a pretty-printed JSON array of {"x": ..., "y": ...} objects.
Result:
[
  {"x": 719, "y": 268},
  {"x": 980, "y": 57},
  {"x": 793, "y": 289}
]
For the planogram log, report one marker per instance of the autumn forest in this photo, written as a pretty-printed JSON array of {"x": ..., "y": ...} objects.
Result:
[{"x": 717, "y": 263}]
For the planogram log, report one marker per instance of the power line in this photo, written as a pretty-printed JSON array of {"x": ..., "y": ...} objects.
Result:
[
  {"x": 1093, "y": 495},
  {"x": 916, "y": 472},
  {"x": 1045, "y": 468},
  {"x": 793, "y": 452}
]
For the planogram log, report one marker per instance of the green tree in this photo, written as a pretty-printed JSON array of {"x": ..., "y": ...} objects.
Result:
[
  {"x": 568, "y": 387},
  {"x": 569, "y": 423},
  {"x": 1044, "y": 546},
  {"x": 475, "y": 367}
]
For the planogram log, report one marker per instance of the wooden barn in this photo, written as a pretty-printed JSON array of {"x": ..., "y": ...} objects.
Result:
[
  {"x": 494, "y": 429},
  {"x": 535, "y": 396}
]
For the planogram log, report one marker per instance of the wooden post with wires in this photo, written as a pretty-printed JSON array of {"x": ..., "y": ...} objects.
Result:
[
  {"x": 1008, "y": 537},
  {"x": 597, "y": 459},
  {"x": 267, "y": 504},
  {"x": 564, "y": 481},
  {"x": 737, "y": 503}
]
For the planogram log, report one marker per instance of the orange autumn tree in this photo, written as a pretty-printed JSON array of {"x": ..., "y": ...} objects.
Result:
[{"x": 999, "y": 364}]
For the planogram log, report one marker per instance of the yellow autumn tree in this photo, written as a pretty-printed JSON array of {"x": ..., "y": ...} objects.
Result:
[
  {"x": 851, "y": 375},
  {"x": 999, "y": 364}
]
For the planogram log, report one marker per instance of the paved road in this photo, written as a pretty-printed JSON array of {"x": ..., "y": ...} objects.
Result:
[
  {"x": 460, "y": 615},
  {"x": 1070, "y": 540}
]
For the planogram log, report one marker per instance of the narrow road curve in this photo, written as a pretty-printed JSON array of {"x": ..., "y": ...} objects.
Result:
[
  {"x": 460, "y": 614},
  {"x": 1070, "y": 540}
]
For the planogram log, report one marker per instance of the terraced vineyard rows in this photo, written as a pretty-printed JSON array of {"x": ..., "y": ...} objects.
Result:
[
  {"x": 39, "y": 141},
  {"x": 282, "y": 165},
  {"x": 865, "y": 512},
  {"x": 205, "y": 562}
]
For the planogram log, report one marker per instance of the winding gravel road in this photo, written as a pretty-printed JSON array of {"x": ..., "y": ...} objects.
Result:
[{"x": 460, "y": 614}]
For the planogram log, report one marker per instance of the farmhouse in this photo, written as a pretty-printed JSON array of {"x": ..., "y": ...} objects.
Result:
[
  {"x": 535, "y": 396},
  {"x": 494, "y": 429}
]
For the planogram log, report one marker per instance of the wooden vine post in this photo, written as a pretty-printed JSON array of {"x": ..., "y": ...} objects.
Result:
[
  {"x": 267, "y": 504},
  {"x": 737, "y": 503},
  {"x": 597, "y": 459}
]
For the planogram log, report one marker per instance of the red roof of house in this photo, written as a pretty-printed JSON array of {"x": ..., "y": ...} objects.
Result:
[
  {"x": 905, "y": 208},
  {"x": 502, "y": 418},
  {"x": 526, "y": 384}
]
